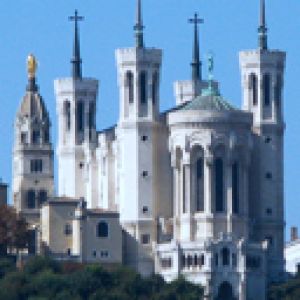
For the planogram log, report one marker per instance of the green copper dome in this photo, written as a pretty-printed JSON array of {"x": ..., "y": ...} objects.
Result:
[{"x": 210, "y": 99}]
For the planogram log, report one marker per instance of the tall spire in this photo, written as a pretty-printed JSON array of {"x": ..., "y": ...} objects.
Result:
[
  {"x": 196, "y": 62},
  {"x": 139, "y": 27},
  {"x": 262, "y": 29},
  {"x": 76, "y": 60}
]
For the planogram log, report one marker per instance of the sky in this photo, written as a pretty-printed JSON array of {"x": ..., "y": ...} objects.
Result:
[{"x": 42, "y": 28}]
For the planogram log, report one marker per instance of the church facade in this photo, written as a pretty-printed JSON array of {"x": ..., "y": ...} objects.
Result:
[{"x": 196, "y": 190}]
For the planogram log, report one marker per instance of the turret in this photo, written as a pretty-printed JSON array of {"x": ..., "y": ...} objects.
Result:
[{"x": 33, "y": 154}]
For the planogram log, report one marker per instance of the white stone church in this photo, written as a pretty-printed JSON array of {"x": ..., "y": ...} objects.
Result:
[{"x": 196, "y": 190}]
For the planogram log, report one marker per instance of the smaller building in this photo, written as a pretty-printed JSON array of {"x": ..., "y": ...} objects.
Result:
[
  {"x": 3, "y": 193},
  {"x": 70, "y": 231},
  {"x": 292, "y": 253}
]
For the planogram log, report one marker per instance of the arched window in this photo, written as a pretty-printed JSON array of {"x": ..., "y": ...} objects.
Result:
[
  {"x": 143, "y": 87},
  {"x": 219, "y": 185},
  {"x": 278, "y": 90},
  {"x": 183, "y": 261},
  {"x": 189, "y": 261},
  {"x": 225, "y": 256},
  {"x": 102, "y": 229},
  {"x": 92, "y": 120},
  {"x": 195, "y": 260},
  {"x": 42, "y": 197},
  {"x": 154, "y": 87},
  {"x": 35, "y": 136},
  {"x": 80, "y": 116},
  {"x": 225, "y": 291},
  {"x": 46, "y": 135},
  {"x": 267, "y": 89},
  {"x": 216, "y": 259},
  {"x": 129, "y": 85},
  {"x": 67, "y": 113},
  {"x": 202, "y": 261},
  {"x": 235, "y": 188},
  {"x": 253, "y": 88},
  {"x": 199, "y": 185},
  {"x": 31, "y": 199}
]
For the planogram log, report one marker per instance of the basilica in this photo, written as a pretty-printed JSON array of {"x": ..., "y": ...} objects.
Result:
[{"x": 195, "y": 191}]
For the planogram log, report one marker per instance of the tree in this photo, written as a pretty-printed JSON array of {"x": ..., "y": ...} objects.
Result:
[{"x": 14, "y": 232}]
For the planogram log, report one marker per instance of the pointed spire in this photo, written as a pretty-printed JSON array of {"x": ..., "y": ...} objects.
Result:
[
  {"x": 76, "y": 60},
  {"x": 139, "y": 27},
  {"x": 262, "y": 29},
  {"x": 196, "y": 62}
]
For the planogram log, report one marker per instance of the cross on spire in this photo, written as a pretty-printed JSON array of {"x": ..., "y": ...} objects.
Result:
[
  {"x": 262, "y": 29},
  {"x": 139, "y": 27},
  {"x": 76, "y": 60},
  {"x": 196, "y": 62}
]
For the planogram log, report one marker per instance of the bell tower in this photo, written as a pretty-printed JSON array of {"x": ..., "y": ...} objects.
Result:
[
  {"x": 262, "y": 73},
  {"x": 76, "y": 110},
  {"x": 33, "y": 179},
  {"x": 138, "y": 72}
]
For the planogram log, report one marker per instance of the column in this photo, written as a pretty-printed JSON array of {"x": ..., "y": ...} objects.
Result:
[
  {"x": 229, "y": 195},
  {"x": 208, "y": 195}
]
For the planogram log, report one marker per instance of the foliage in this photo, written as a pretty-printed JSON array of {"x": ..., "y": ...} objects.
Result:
[
  {"x": 14, "y": 232},
  {"x": 43, "y": 278},
  {"x": 289, "y": 290}
]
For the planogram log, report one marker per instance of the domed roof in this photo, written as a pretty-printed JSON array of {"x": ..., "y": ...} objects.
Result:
[
  {"x": 210, "y": 100},
  {"x": 33, "y": 106}
]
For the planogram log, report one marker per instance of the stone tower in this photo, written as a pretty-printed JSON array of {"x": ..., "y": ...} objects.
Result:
[
  {"x": 262, "y": 84},
  {"x": 32, "y": 155},
  {"x": 139, "y": 72},
  {"x": 76, "y": 110}
]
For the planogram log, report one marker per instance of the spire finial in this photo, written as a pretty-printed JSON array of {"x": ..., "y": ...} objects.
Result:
[
  {"x": 196, "y": 62},
  {"x": 76, "y": 60},
  {"x": 139, "y": 27},
  {"x": 262, "y": 29},
  {"x": 31, "y": 71}
]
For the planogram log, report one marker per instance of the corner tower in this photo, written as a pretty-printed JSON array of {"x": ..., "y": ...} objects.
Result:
[
  {"x": 262, "y": 84},
  {"x": 138, "y": 72},
  {"x": 76, "y": 110},
  {"x": 32, "y": 155}
]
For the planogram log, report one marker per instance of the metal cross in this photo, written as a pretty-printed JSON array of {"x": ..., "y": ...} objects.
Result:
[
  {"x": 76, "y": 18},
  {"x": 196, "y": 20}
]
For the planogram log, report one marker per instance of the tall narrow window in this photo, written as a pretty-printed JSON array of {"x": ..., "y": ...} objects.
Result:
[
  {"x": 154, "y": 87},
  {"x": 183, "y": 190},
  {"x": 143, "y": 87},
  {"x": 235, "y": 188},
  {"x": 129, "y": 85},
  {"x": 199, "y": 185},
  {"x": 67, "y": 113},
  {"x": 253, "y": 88},
  {"x": 225, "y": 256},
  {"x": 278, "y": 90},
  {"x": 219, "y": 185},
  {"x": 31, "y": 199},
  {"x": 80, "y": 116},
  {"x": 46, "y": 135},
  {"x": 92, "y": 122},
  {"x": 267, "y": 89},
  {"x": 42, "y": 197},
  {"x": 35, "y": 136}
]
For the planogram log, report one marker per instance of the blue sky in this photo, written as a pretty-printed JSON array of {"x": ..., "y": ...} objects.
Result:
[{"x": 41, "y": 27}]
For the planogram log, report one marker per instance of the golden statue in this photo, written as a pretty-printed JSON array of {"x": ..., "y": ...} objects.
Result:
[{"x": 31, "y": 65}]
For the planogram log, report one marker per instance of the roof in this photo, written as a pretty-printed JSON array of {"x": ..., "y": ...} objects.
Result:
[
  {"x": 210, "y": 99},
  {"x": 33, "y": 105}
]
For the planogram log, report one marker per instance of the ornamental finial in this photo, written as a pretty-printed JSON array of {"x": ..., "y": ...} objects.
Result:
[{"x": 31, "y": 66}]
